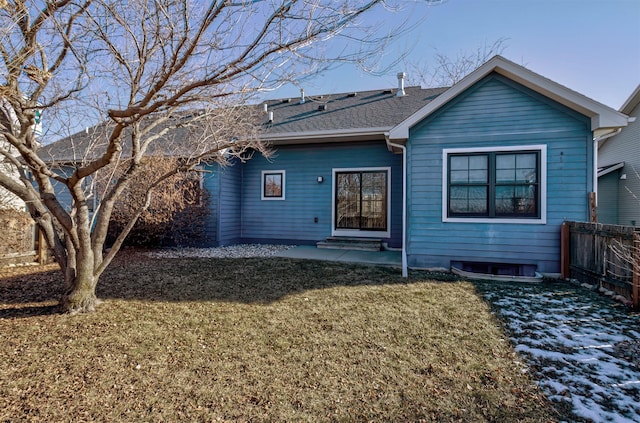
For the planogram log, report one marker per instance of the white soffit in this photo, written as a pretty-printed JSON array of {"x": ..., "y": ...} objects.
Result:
[{"x": 601, "y": 116}]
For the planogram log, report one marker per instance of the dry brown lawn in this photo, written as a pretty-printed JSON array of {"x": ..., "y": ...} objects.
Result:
[{"x": 257, "y": 340}]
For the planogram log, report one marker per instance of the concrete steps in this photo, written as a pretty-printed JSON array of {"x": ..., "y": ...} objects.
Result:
[{"x": 344, "y": 243}]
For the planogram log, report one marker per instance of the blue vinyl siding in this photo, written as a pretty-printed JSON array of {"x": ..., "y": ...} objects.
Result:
[
  {"x": 497, "y": 112},
  {"x": 62, "y": 192},
  {"x": 229, "y": 229},
  {"x": 222, "y": 185},
  {"x": 292, "y": 219},
  {"x": 211, "y": 184}
]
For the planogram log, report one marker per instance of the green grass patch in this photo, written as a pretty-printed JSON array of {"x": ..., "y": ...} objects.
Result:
[{"x": 258, "y": 340}]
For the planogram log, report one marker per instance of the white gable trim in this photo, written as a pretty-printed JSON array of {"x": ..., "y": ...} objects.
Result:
[
  {"x": 632, "y": 101},
  {"x": 601, "y": 116}
]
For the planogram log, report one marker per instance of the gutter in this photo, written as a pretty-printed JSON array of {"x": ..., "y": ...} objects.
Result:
[
  {"x": 322, "y": 136},
  {"x": 405, "y": 271},
  {"x": 607, "y": 135}
]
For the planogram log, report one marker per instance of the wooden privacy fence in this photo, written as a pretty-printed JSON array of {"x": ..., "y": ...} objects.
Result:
[
  {"x": 604, "y": 255},
  {"x": 19, "y": 239}
]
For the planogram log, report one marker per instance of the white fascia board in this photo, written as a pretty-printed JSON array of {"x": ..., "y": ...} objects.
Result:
[
  {"x": 601, "y": 116},
  {"x": 323, "y": 135},
  {"x": 611, "y": 169},
  {"x": 632, "y": 101}
]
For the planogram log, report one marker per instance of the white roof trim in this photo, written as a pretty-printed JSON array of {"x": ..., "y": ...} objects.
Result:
[
  {"x": 601, "y": 116},
  {"x": 632, "y": 101},
  {"x": 334, "y": 133},
  {"x": 606, "y": 170}
]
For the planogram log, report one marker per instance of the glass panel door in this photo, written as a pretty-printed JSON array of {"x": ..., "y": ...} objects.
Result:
[{"x": 361, "y": 200}]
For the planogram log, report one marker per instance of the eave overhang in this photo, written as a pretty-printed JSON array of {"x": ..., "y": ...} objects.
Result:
[{"x": 320, "y": 137}]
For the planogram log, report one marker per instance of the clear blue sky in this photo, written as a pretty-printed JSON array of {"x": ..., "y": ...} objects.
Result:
[{"x": 590, "y": 46}]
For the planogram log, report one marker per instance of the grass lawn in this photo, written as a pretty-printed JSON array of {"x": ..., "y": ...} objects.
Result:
[{"x": 257, "y": 340}]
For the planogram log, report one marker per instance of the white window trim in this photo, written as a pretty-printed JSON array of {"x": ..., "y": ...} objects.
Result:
[
  {"x": 353, "y": 232},
  {"x": 284, "y": 179},
  {"x": 542, "y": 220}
]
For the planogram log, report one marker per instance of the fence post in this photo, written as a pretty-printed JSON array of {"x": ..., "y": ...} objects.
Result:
[
  {"x": 635, "y": 254},
  {"x": 565, "y": 251},
  {"x": 593, "y": 208}
]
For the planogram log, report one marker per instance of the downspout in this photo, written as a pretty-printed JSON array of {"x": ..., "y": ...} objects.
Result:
[{"x": 405, "y": 271}]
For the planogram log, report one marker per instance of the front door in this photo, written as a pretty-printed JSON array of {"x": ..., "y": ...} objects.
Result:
[{"x": 361, "y": 202}]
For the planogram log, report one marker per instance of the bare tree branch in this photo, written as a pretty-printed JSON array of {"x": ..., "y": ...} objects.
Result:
[
  {"x": 167, "y": 79},
  {"x": 445, "y": 70}
]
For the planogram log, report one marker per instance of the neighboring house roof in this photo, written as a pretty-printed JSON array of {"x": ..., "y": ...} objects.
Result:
[
  {"x": 91, "y": 143},
  {"x": 602, "y": 117},
  {"x": 627, "y": 108},
  {"x": 632, "y": 101},
  {"x": 355, "y": 115}
]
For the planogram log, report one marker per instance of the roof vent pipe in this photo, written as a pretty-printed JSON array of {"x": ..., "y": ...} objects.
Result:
[
  {"x": 270, "y": 117},
  {"x": 301, "y": 96},
  {"x": 266, "y": 107},
  {"x": 401, "y": 92}
]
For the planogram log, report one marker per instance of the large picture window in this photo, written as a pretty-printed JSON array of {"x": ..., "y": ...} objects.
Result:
[
  {"x": 503, "y": 183},
  {"x": 273, "y": 185}
]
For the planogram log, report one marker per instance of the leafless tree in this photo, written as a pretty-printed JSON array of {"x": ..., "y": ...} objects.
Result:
[
  {"x": 444, "y": 70},
  {"x": 141, "y": 67}
]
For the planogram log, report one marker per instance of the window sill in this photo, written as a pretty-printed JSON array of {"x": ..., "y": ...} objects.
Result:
[{"x": 541, "y": 221}]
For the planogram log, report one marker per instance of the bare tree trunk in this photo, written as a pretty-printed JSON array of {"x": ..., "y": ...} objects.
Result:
[
  {"x": 81, "y": 297},
  {"x": 80, "y": 286}
]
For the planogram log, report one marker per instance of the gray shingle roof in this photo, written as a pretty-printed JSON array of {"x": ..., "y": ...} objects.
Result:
[
  {"x": 91, "y": 143},
  {"x": 345, "y": 112},
  {"x": 319, "y": 117}
]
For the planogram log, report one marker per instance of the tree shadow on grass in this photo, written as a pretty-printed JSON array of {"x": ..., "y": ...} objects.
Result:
[
  {"x": 29, "y": 291},
  {"x": 134, "y": 276},
  {"x": 249, "y": 280},
  {"x": 29, "y": 311}
]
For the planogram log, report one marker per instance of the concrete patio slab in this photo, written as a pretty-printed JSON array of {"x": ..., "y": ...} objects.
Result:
[{"x": 381, "y": 258}]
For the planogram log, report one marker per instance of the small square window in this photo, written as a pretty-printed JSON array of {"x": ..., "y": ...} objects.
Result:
[{"x": 273, "y": 183}]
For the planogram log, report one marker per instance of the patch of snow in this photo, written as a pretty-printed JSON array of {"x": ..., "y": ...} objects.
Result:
[{"x": 580, "y": 346}]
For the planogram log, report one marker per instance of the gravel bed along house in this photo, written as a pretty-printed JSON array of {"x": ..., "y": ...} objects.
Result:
[{"x": 232, "y": 251}]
